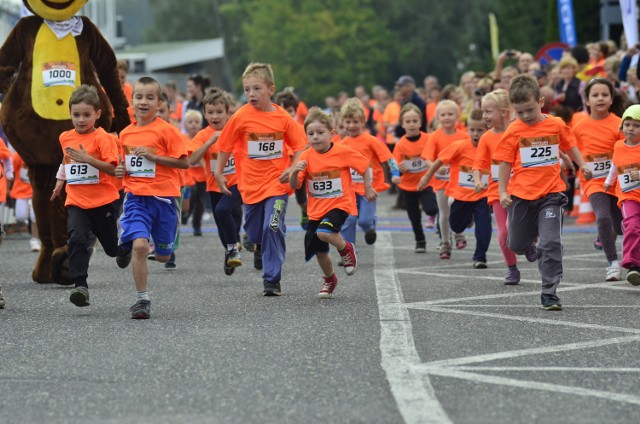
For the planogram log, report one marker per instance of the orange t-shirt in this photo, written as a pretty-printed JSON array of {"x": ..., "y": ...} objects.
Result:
[
  {"x": 408, "y": 152},
  {"x": 377, "y": 153},
  {"x": 533, "y": 151},
  {"x": 257, "y": 140},
  {"x": 460, "y": 156},
  {"x": 626, "y": 158},
  {"x": 115, "y": 181},
  {"x": 328, "y": 179},
  {"x": 5, "y": 153},
  {"x": 595, "y": 139},
  {"x": 438, "y": 140},
  {"x": 391, "y": 117},
  {"x": 431, "y": 111},
  {"x": 210, "y": 158},
  {"x": 147, "y": 178},
  {"x": 484, "y": 160},
  {"x": 301, "y": 112},
  {"x": 21, "y": 185},
  {"x": 87, "y": 187},
  {"x": 128, "y": 93}
]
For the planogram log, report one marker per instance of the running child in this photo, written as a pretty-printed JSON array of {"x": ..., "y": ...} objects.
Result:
[
  {"x": 447, "y": 116},
  {"x": 496, "y": 112},
  {"x": 153, "y": 152},
  {"x": 21, "y": 192},
  {"x": 625, "y": 169},
  {"x": 353, "y": 117},
  {"x": 596, "y": 136},
  {"x": 325, "y": 170},
  {"x": 534, "y": 194},
  {"x": 227, "y": 210},
  {"x": 5, "y": 158},
  {"x": 257, "y": 134},
  {"x": 407, "y": 153},
  {"x": 90, "y": 159},
  {"x": 197, "y": 175},
  {"x": 468, "y": 206}
]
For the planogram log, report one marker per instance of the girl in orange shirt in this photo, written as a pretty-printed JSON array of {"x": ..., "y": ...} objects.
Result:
[
  {"x": 626, "y": 163},
  {"x": 407, "y": 154},
  {"x": 496, "y": 111},
  {"x": 595, "y": 137}
]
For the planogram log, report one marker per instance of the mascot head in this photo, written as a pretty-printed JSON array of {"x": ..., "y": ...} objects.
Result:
[{"x": 55, "y": 10}]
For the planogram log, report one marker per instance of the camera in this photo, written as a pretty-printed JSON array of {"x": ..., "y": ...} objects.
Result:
[
  {"x": 510, "y": 53},
  {"x": 480, "y": 92}
]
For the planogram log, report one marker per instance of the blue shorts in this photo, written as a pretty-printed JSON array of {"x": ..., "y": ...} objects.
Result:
[{"x": 153, "y": 216}]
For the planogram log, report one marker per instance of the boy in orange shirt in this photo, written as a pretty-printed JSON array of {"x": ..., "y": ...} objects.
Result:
[
  {"x": 535, "y": 197},
  {"x": 227, "y": 210},
  {"x": 407, "y": 154},
  {"x": 153, "y": 150},
  {"x": 259, "y": 134},
  {"x": 468, "y": 205},
  {"x": 353, "y": 117},
  {"x": 197, "y": 175},
  {"x": 90, "y": 158},
  {"x": 327, "y": 169}
]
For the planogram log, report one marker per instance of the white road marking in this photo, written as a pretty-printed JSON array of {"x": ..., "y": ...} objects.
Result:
[
  {"x": 412, "y": 391},
  {"x": 547, "y": 369}
]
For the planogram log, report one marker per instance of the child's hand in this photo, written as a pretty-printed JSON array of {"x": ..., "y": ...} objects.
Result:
[
  {"x": 567, "y": 163},
  {"x": 479, "y": 186},
  {"x": 402, "y": 167},
  {"x": 213, "y": 138},
  {"x": 505, "y": 200},
  {"x": 395, "y": 180},
  {"x": 145, "y": 153},
  {"x": 370, "y": 194},
  {"x": 80, "y": 156},
  {"x": 300, "y": 166},
  {"x": 121, "y": 169},
  {"x": 286, "y": 174},
  {"x": 606, "y": 187},
  {"x": 444, "y": 170},
  {"x": 57, "y": 189},
  {"x": 222, "y": 183},
  {"x": 635, "y": 175},
  {"x": 586, "y": 172},
  {"x": 422, "y": 183}
]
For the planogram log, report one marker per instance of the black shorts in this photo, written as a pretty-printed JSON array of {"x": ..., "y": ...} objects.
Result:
[{"x": 331, "y": 223}]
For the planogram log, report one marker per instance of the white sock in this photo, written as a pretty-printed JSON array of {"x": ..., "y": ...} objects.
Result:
[{"x": 142, "y": 295}]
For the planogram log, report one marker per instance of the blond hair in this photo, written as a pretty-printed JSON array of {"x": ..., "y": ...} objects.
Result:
[
  {"x": 500, "y": 97},
  {"x": 260, "y": 70},
  {"x": 192, "y": 112},
  {"x": 352, "y": 108},
  {"x": 442, "y": 104},
  {"x": 410, "y": 107},
  {"x": 317, "y": 115}
]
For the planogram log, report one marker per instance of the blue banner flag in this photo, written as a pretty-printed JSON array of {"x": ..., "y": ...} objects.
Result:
[{"x": 567, "y": 23}]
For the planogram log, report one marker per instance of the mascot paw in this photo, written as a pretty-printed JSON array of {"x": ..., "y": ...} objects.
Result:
[{"x": 60, "y": 266}]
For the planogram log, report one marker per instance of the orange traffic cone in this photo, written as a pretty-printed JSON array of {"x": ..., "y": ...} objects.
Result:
[
  {"x": 585, "y": 212},
  {"x": 576, "y": 203}
]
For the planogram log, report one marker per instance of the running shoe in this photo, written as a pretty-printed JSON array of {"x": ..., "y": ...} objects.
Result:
[{"x": 328, "y": 286}]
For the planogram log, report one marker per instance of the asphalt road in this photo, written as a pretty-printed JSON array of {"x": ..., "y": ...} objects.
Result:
[{"x": 409, "y": 338}]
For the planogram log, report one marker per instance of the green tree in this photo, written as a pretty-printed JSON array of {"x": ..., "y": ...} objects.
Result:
[{"x": 182, "y": 20}]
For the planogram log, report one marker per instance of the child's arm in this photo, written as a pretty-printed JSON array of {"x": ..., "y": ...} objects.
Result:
[
  {"x": 369, "y": 192},
  {"x": 121, "y": 169},
  {"x": 293, "y": 179},
  {"x": 611, "y": 178},
  {"x": 221, "y": 179},
  {"x": 284, "y": 177},
  {"x": 182, "y": 162},
  {"x": 61, "y": 178},
  {"x": 395, "y": 171},
  {"x": 199, "y": 153},
  {"x": 426, "y": 177},
  {"x": 504, "y": 172},
  {"x": 576, "y": 156},
  {"x": 81, "y": 156},
  {"x": 477, "y": 181}
]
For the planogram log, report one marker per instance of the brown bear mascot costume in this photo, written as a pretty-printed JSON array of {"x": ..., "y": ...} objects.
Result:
[{"x": 43, "y": 60}]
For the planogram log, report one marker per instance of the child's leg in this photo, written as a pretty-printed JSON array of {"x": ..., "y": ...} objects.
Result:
[
  {"x": 460, "y": 215},
  {"x": 78, "y": 226},
  {"x": 412, "y": 205},
  {"x": 550, "y": 214},
  {"x": 22, "y": 210},
  {"x": 429, "y": 202},
  {"x": 104, "y": 226},
  {"x": 215, "y": 199},
  {"x": 179, "y": 200},
  {"x": 223, "y": 213},
  {"x": 197, "y": 206},
  {"x": 631, "y": 240},
  {"x": 482, "y": 218},
  {"x": 601, "y": 203},
  {"x": 139, "y": 263},
  {"x": 500, "y": 214},
  {"x": 349, "y": 228},
  {"x": 522, "y": 224},
  {"x": 326, "y": 265},
  {"x": 443, "y": 216},
  {"x": 367, "y": 215}
]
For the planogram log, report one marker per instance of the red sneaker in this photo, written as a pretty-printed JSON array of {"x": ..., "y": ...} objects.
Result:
[
  {"x": 328, "y": 286},
  {"x": 349, "y": 260}
]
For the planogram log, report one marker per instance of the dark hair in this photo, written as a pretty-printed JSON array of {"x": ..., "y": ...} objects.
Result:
[
  {"x": 87, "y": 94},
  {"x": 287, "y": 99},
  {"x": 524, "y": 88},
  {"x": 200, "y": 81},
  {"x": 580, "y": 53},
  {"x": 617, "y": 101},
  {"x": 475, "y": 115},
  {"x": 563, "y": 112},
  {"x": 148, "y": 81}
]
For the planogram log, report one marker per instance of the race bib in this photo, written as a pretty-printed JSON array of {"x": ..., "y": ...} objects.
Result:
[
  {"x": 357, "y": 178},
  {"x": 539, "y": 151},
  {"x": 265, "y": 146},
  {"x": 24, "y": 174},
  {"x": 445, "y": 176},
  {"x": 624, "y": 177},
  {"x": 465, "y": 178},
  {"x": 138, "y": 166},
  {"x": 599, "y": 164},
  {"x": 229, "y": 167},
  {"x": 325, "y": 184},
  {"x": 59, "y": 73},
  {"x": 414, "y": 165},
  {"x": 81, "y": 173}
]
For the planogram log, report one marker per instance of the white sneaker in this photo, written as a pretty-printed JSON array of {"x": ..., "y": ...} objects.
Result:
[
  {"x": 35, "y": 244},
  {"x": 613, "y": 273}
]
